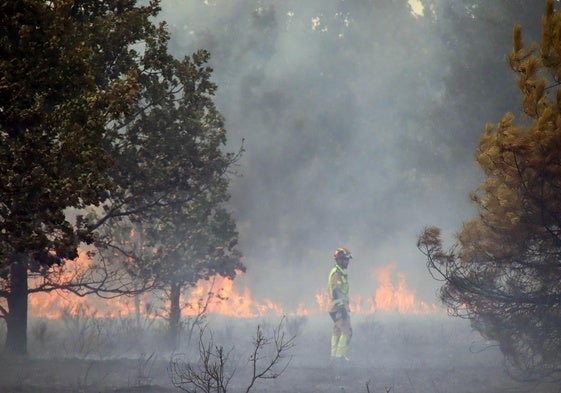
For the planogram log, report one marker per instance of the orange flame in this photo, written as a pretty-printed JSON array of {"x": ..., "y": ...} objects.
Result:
[
  {"x": 398, "y": 298},
  {"x": 229, "y": 301},
  {"x": 56, "y": 303},
  {"x": 52, "y": 305},
  {"x": 220, "y": 296}
]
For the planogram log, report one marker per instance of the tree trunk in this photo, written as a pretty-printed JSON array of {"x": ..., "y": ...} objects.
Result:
[
  {"x": 136, "y": 306},
  {"x": 174, "y": 316},
  {"x": 16, "y": 319}
]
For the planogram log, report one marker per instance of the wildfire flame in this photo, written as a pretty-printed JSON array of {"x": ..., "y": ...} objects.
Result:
[
  {"x": 390, "y": 297},
  {"x": 229, "y": 301},
  {"x": 220, "y": 296}
]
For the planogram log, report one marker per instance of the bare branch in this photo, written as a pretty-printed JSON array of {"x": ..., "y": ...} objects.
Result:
[
  {"x": 212, "y": 373},
  {"x": 281, "y": 345}
]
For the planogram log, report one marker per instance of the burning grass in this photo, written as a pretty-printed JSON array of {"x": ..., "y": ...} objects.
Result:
[{"x": 388, "y": 293}]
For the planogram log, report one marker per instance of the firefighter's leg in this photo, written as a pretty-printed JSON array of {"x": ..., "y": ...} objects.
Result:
[
  {"x": 336, "y": 334},
  {"x": 345, "y": 337},
  {"x": 334, "y": 345}
]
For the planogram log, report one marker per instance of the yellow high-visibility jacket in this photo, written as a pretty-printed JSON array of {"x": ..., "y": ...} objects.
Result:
[{"x": 338, "y": 288}]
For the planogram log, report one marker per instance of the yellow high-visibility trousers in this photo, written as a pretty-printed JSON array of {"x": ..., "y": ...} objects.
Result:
[
  {"x": 341, "y": 335},
  {"x": 342, "y": 347}
]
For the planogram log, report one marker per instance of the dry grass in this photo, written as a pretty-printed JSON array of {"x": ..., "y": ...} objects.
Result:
[{"x": 390, "y": 354}]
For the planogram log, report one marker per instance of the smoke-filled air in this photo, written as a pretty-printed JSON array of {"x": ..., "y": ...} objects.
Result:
[
  {"x": 359, "y": 121},
  {"x": 324, "y": 196}
]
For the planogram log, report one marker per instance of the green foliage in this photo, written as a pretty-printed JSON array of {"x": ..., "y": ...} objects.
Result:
[
  {"x": 165, "y": 218},
  {"x": 66, "y": 73},
  {"x": 95, "y": 112},
  {"x": 103, "y": 132},
  {"x": 505, "y": 274}
]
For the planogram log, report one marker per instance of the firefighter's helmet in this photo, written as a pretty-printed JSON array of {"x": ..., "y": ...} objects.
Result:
[{"x": 342, "y": 253}]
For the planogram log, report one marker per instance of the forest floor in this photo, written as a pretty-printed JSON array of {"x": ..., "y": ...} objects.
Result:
[{"x": 396, "y": 355}]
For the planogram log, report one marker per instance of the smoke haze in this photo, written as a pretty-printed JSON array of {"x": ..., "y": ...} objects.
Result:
[{"x": 348, "y": 136}]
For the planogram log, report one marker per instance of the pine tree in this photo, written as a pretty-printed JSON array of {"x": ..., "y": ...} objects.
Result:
[{"x": 504, "y": 274}]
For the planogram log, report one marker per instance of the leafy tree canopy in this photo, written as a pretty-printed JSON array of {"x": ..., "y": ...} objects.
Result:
[
  {"x": 99, "y": 126},
  {"x": 66, "y": 70},
  {"x": 172, "y": 176},
  {"x": 97, "y": 116}
]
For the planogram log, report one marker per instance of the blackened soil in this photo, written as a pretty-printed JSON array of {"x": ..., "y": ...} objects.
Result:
[{"x": 124, "y": 376}]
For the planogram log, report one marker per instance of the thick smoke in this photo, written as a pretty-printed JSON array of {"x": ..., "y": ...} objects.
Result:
[{"x": 341, "y": 105}]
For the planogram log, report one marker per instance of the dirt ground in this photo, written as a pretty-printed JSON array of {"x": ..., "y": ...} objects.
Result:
[
  {"x": 65, "y": 376},
  {"x": 394, "y": 356}
]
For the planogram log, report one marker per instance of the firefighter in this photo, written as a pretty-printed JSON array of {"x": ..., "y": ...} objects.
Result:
[{"x": 339, "y": 310}]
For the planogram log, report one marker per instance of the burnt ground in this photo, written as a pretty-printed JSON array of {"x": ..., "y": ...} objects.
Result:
[
  {"x": 395, "y": 355},
  {"x": 72, "y": 375}
]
